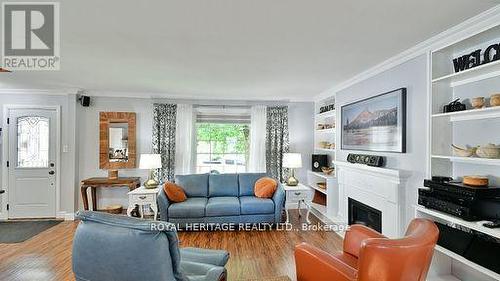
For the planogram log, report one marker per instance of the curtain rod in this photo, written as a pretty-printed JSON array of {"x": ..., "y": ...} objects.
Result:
[{"x": 221, "y": 106}]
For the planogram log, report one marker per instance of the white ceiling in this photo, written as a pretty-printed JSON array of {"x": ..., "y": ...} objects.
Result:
[{"x": 234, "y": 49}]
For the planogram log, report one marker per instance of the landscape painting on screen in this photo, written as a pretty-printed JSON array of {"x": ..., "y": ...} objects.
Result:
[{"x": 376, "y": 124}]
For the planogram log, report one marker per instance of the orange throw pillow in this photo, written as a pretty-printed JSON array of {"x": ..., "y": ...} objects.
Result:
[
  {"x": 265, "y": 187},
  {"x": 174, "y": 192}
]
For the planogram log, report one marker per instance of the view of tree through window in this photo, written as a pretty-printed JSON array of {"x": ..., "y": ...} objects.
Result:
[{"x": 222, "y": 147}]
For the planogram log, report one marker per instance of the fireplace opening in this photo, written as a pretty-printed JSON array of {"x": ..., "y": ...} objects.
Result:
[{"x": 360, "y": 213}]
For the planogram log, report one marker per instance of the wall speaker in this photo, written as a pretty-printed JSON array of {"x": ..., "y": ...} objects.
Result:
[
  {"x": 370, "y": 160},
  {"x": 84, "y": 101},
  {"x": 318, "y": 161}
]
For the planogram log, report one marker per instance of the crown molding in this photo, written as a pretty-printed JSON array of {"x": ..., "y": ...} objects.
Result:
[
  {"x": 186, "y": 97},
  {"x": 474, "y": 25},
  {"x": 50, "y": 92},
  {"x": 152, "y": 96}
]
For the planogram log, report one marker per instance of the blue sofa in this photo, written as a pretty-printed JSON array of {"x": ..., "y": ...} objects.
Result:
[
  {"x": 113, "y": 247},
  {"x": 222, "y": 198}
]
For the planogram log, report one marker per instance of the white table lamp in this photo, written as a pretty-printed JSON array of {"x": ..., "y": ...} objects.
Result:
[
  {"x": 292, "y": 161},
  {"x": 150, "y": 162}
]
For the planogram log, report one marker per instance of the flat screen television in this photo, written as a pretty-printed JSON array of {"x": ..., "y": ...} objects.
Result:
[{"x": 375, "y": 124}]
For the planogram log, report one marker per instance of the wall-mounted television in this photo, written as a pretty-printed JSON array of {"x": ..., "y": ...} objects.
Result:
[{"x": 375, "y": 124}]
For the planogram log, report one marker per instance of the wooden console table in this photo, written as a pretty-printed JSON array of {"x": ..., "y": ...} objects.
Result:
[{"x": 94, "y": 183}]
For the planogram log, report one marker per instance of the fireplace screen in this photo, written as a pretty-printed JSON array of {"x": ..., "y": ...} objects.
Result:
[{"x": 360, "y": 213}]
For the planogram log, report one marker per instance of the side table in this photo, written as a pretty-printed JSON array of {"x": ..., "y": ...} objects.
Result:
[
  {"x": 143, "y": 196},
  {"x": 298, "y": 194},
  {"x": 132, "y": 183}
]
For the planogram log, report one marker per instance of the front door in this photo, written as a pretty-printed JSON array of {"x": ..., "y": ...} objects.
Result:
[{"x": 32, "y": 163}]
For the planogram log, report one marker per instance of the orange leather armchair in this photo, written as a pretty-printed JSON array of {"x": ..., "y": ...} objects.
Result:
[{"x": 370, "y": 256}]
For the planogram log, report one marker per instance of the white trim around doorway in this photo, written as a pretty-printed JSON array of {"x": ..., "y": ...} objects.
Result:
[{"x": 4, "y": 215}]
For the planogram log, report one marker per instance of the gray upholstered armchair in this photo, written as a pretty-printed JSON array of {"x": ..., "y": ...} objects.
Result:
[{"x": 110, "y": 247}]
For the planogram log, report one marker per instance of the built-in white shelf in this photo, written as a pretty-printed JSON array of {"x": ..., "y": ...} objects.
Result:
[
  {"x": 442, "y": 278},
  {"x": 320, "y": 208},
  {"x": 471, "y": 75},
  {"x": 467, "y": 262},
  {"x": 312, "y": 182},
  {"x": 329, "y": 150},
  {"x": 322, "y": 175},
  {"x": 444, "y": 130},
  {"x": 315, "y": 187},
  {"x": 475, "y": 225},
  {"x": 331, "y": 131},
  {"x": 327, "y": 114},
  {"x": 471, "y": 114},
  {"x": 472, "y": 160}
]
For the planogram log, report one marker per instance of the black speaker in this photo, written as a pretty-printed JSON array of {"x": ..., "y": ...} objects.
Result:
[
  {"x": 318, "y": 161},
  {"x": 84, "y": 101},
  {"x": 370, "y": 160}
]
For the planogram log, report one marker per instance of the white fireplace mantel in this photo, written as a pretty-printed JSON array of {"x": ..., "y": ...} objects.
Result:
[{"x": 379, "y": 188}]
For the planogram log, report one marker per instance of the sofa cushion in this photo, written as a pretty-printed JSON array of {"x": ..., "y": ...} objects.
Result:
[
  {"x": 223, "y": 206},
  {"x": 265, "y": 187},
  {"x": 195, "y": 185},
  {"x": 247, "y": 182},
  {"x": 193, "y": 207},
  {"x": 174, "y": 192},
  {"x": 223, "y": 185},
  {"x": 251, "y": 205}
]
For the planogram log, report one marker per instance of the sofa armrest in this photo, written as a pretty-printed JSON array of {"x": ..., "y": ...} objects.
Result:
[
  {"x": 279, "y": 202},
  {"x": 355, "y": 236},
  {"x": 163, "y": 205},
  {"x": 313, "y": 264}
]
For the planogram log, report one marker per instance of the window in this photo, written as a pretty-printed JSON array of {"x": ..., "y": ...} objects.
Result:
[
  {"x": 32, "y": 142},
  {"x": 222, "y": 147}
]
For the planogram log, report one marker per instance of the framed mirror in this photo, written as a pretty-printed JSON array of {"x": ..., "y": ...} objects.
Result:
[{"x": 117, "y": 140}]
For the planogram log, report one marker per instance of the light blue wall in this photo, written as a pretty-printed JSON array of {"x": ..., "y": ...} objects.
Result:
[
  {"x": 412, "y": 75},
  {"x": 300, "y": 124}
]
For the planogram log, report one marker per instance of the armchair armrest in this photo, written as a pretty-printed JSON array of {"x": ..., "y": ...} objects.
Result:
[
  {"x": 208, "y": 256},
  {"x": 313, "y": 264},
  {"x": 355, "y": 236},
  {"x": 163, "y": 205},
  {"x": 279, "y": 202}
]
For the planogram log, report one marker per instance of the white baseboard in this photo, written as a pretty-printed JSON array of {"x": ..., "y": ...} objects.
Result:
[{"x": 66, "y": 216}]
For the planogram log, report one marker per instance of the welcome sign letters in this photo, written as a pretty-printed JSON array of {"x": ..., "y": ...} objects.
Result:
[{"x": 477, "y": 58}]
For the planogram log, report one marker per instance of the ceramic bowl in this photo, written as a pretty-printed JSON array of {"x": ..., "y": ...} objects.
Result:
[
  {"x": 488, "y": 151},
  {"x": 327, "y": 170},
  {"x": 495, "y": 100},
  {"x": 477, "y": 102},
  {"x": 463, "y": 152}
]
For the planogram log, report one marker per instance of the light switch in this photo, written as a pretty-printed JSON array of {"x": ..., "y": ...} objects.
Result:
[{"x": 65, "y": 148}]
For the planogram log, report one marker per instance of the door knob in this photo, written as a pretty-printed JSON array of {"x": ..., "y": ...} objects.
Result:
[{"x": 51, "y": 172}]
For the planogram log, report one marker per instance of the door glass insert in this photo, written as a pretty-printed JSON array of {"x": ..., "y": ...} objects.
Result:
[{"x": 32, "y": 142}]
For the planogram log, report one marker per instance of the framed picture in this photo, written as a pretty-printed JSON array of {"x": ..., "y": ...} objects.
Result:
[{"x": 376, "y": 124}]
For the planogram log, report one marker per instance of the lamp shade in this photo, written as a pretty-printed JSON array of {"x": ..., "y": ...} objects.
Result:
[
  {"x": 292, "y": 160},
  {"x": 150, "y": 161}
]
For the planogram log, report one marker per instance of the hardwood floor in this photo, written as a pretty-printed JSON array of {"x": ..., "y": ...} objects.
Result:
[{"x": 254, "y": 255}]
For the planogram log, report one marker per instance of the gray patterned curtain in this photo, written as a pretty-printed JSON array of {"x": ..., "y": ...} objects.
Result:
[
  {"x": 164, "y": 120},
  {"x": 276, "y": 141}
]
